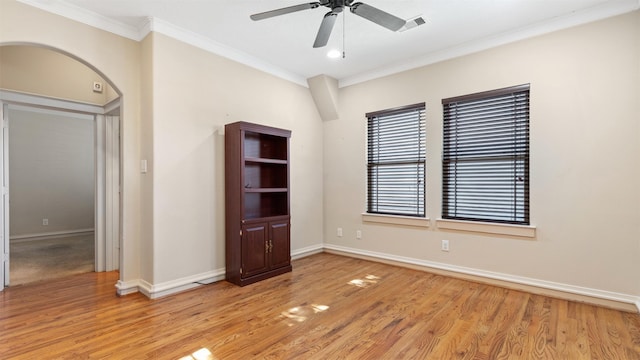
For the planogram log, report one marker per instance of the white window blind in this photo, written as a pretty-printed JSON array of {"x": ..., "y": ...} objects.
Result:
[
  {"x": 485, "y": 163},
  {"x": 396, "y": 161}
]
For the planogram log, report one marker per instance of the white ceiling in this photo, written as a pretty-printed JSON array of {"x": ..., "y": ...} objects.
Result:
[{"x": 283, "y": 45}]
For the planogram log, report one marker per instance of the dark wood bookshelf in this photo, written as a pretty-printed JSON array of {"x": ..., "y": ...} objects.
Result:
[{"x": 256, "y": 202}]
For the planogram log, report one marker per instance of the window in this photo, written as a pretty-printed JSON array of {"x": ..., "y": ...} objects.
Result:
[
  {"x": 396, "y": 161},
  {"x": 485, "y": 163}
]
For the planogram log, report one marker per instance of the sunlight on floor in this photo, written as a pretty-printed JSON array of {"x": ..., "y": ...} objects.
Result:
[
  {"x": 367, "y": 281},
  {"x": 202, "y": 354},
  {"x": 299, "y": 314}
]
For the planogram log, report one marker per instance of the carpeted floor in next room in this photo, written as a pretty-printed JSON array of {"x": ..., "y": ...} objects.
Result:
[{"x": 37, "y": 260}]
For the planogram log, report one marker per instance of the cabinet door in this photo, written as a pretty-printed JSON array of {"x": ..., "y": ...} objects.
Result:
[
  {"x": 254, "y": 249},
  {"x": 279, "y": 240}
]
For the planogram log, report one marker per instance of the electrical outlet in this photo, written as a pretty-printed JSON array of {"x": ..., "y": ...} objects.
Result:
[
  {"x": 358, "y": 234},
  {"x": 45, "y": 222},
  {"x": 445, "y": 245},
  {"x": 339, "y": 232}
]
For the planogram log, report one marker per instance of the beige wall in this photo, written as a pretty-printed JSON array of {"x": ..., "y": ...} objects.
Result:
[
  {"x": 52, "y": 171},
  {"x": 585, "y": 143},
  {"x": 146, "y": 153},
  {"x": 117, "y": 60},
  {"x": 585, "y": 158},
  {"x": 194, "y": 94},
  {"x": 175, "y": 97},
  {"x": 46, "y": 72}
]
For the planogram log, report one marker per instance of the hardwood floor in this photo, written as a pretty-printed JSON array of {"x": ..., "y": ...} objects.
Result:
[{"x": 329, "y": 307}]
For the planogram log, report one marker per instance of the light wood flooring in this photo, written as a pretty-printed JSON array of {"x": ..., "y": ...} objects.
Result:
[{"x": 329, "y": 307}]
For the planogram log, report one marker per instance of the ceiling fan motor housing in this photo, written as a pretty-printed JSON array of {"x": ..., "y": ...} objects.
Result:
[{"x": 338, "y": 5}]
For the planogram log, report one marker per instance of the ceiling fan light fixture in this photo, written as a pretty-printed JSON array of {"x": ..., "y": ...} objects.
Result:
[{"x": 334, "y": 54}]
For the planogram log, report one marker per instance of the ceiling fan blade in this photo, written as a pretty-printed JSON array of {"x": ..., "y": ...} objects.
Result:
[
  {"x": 378, "y": 16},
  {"x": 286, "y": 10},
  {"x": 325, "y": 29}
]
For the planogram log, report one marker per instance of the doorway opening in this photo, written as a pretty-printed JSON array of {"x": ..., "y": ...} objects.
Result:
[
  {"x": 52, "y": 191},
  {"x": 64, "y": 162},
  {"x": 73, "y": 219}
]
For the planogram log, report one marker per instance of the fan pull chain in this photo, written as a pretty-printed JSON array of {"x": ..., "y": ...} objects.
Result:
[{"x": 344, "y": 30}]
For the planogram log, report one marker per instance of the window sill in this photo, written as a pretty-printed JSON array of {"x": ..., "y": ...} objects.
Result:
[
  {"x": 396, "y": 220},
  {"x": 527, "y": 231}
]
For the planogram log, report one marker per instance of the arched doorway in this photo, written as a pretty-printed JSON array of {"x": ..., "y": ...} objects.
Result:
[{"x": 40, "y": 78}]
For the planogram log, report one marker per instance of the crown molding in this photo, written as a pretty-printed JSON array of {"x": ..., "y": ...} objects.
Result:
[
  {"x": 62, "y": 8},
  {"x": 86, "y": 17},
  {"x": 199, "y": 41},
  {"x": 155, "y": 24},
  {"x": 603, "y": 11}
]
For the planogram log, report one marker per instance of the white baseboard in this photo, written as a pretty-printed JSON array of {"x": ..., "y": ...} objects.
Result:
[
  {"x": 127, "y": 287},
  {"x": 565, "y": 291},
  {"x": 189, "y": 282},
  {"x": 307, "y": 251},
  {"x": 50, "y": 235},
  {"x": 170, "y": 287}
]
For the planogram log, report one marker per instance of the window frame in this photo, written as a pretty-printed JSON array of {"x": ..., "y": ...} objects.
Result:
[
  {"x": 374, "y": 207},
  {"x": 520, "y": 216}
]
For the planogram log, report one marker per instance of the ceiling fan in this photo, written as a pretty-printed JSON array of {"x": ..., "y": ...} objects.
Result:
[{"x": 368, "y": 12}]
